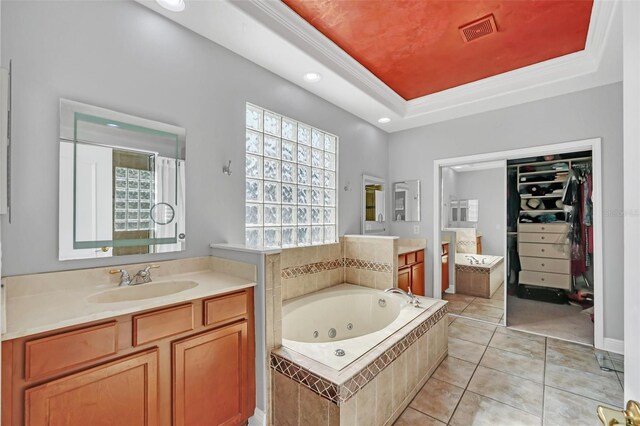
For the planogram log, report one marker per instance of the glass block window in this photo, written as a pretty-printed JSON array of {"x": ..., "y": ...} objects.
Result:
[
  {"x": 291, "y": 180},
  {"x": 134, "y": 197}
]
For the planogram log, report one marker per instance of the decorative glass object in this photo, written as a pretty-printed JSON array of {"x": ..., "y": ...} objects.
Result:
[{"x": 290, "y": 186}]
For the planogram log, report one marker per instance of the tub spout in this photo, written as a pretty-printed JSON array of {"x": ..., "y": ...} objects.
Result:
[{"x": 412, "y": 298}]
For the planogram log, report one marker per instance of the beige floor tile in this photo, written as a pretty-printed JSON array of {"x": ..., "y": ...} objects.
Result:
[
  {"x": 484, "y": 310},
  {"x": 455, "y": 306},
  {"x": 511, "y": 390},
  {"x": 411, "y": 417},
  {"x": 481, "y": 317},
  {"x": 477, "y": 324},
  {"x": 451, "y": 319},
  {"x": 437, "y": 399},
  {"x": 458, "y": 297},
  {"x": 563, "y": 408},
  {"x": 518, "y": 345},
  {"x": 467, "y": 351},
  {"x": 476, "y": 410},
  {"x": 523, "y": 334},
  {"x": 469, "y": 333},
  {"x": 578, "y": 358},
  {"x": 493, "y": 303},
  {"x": 602, "y": 388},
  {"x": 563, "y": 344},
  {"x": 455, "y": 371},
  {"x": 516, "y": 364}
]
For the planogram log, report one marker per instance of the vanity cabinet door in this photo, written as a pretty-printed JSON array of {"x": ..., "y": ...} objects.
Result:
[
  {"x": 404, "y": 278},
  {"x": 122, "y": 392},
  {"x": 417, "y": 279},
  {"x": 211, "y": 377}
]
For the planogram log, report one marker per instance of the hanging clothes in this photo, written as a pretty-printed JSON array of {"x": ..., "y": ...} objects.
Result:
[{"x": 577, "y": 196}]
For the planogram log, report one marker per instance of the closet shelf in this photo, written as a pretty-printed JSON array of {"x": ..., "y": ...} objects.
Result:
[
  {"x": 545, "y": 172},
  {"x": 540, "y": 196},
  {"x": 542, "y": 182},
  {"x": 541, "y": 211}
]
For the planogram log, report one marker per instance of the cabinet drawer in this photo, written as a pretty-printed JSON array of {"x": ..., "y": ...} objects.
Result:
[
  {"x": 63, "y": 351},
  {"x": 541, "y": 264},
  {"x": 541, "y": 237},
  {"x": 546, "y": 279},
  {"x": 225, "y": 309},
  {"x": 411, "y": 258},
  {"x": 420, "y": 256},
  {"x": 554, "y": 251},
  {"x": 402, "y": 260},
  {"x": 162, "y": 323},
  {"x": 553, "y": 228}
]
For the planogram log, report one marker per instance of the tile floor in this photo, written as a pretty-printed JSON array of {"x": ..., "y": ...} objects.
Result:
[
  {"x": 496, "y": 376},
  {"x": 490, "y": 310}
]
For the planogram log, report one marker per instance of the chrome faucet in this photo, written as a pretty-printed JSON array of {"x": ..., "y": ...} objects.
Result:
[
  {"x": 143, "y": 276},
  {"x": 125, "y": 278},
  {"x": 412, "y": 298}
]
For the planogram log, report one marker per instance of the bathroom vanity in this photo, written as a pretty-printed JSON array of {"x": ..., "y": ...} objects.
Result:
[{"x": 187, "y": 359}]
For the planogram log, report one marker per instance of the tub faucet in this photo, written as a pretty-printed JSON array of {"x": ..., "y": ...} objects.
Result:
[{"x": 412, "y": 298}]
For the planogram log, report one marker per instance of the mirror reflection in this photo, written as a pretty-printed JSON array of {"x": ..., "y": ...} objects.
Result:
[
  {"x": 122, "y": 184},
  {"x": 373, "y": 205},
  {"x": 406, "y": 201}
]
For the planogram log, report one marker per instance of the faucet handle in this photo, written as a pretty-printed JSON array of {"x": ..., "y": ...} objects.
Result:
[
  {"x": 153, "y": 266},
  {"x": 119, "y": 271}
]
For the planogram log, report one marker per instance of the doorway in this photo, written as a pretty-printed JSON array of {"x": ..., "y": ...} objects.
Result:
[{"x": 442, "y": 221}]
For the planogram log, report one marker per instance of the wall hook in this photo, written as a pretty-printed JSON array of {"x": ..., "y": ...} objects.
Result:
[
  {"x": 347, "y": 187},
  {"x": 227, "y": 169}
]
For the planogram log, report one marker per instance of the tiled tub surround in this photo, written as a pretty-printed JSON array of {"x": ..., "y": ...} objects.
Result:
[
  {"x": 373, "y": 390},
  {"x": 309, "y": 269},
  {"x": 60, "y": 298},
  {"x": 371, "y": 261},
  {"x": 359, "y": 318}
]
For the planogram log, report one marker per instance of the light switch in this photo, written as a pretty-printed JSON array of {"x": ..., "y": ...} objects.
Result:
[{"x": 416, "y": 229}]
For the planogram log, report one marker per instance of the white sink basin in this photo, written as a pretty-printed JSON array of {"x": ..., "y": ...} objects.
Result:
[{"x": 141, "y": 291}]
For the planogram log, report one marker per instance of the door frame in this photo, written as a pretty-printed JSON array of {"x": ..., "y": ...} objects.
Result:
[{"x": 595, "y": 145}]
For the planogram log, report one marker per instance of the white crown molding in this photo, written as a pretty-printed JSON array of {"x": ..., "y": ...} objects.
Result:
[{"x": 349, "y": 85}]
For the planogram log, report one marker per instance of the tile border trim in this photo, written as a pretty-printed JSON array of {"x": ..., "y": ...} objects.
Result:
[
  {"x": 341, "y": 393},
  {"x": 311, "y": 268},
  {"x": 369, "y": 265}
]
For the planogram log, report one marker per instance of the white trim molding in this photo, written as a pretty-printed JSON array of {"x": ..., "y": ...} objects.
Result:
[
  {"x": 278, "y": 39},
  {"x": 595, "y": 145},
  {"x": 259, "y": 418},
  {"x": 614, "y": 345}
]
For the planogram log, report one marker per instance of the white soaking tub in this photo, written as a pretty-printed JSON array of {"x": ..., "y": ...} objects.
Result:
[{"x": 340, "y": 324}]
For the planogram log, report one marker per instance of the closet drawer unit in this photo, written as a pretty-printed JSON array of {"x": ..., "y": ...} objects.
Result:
[
  {"x": 546, "y": 279},
  {"x": 553, "y": 251},
  {"x": 543, "y": 238},
  {"x": 553, "y": 228},
  {"x": 542, "y": 264}
]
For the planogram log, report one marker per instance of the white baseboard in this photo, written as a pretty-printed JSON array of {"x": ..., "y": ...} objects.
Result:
[
  {"x": 258, "y": 419},
  {"x": 614, "y": 345}
]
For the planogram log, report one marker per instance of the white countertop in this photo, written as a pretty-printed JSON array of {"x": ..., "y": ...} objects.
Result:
[{"x": 64, "y": 306}]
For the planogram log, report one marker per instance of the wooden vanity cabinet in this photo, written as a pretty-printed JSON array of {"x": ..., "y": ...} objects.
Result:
[
  {"x": 411, "y": 272},
  {"x": 169, "y": 365},
  {"x": 445, "y": 266}
]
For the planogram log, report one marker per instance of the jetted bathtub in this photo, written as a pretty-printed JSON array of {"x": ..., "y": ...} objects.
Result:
[{"x": 338, "y": 325}]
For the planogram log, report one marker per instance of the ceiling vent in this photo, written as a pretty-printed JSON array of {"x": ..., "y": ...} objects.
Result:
[{"x": 479, "y": 28}]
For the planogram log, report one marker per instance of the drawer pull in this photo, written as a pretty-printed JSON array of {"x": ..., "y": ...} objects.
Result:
[
  {"x": 542, "y": 250},
  {"x": 542, "y": 238},
  {"x": 542, "y": 264},
  {"x": 541, "y": 279},
  {"x": 543, "y": 228}
]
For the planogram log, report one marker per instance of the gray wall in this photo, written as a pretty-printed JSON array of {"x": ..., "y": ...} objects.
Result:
[
  {"x": 591, "y": 113},
  {"x": 122, "y": 56},
  {"x": 488, "y": 187}
]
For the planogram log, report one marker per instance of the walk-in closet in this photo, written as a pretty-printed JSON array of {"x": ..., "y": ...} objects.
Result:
[{"x": 550, "y": 246}]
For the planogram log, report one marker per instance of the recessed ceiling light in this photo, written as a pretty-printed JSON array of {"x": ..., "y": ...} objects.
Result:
[
  {"x": 384, "y": 120},
  {"x": 312, "y": 77},
  {"x": 172, "y": 5}
]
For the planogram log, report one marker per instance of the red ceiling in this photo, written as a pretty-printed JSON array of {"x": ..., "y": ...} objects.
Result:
[{"x": 415, "y": 47}]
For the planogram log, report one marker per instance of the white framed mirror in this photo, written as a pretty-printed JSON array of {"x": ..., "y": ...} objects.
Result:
[{"x": 406, "y": 201}]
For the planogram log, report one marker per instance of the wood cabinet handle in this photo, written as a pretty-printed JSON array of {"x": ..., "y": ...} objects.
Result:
[
  {"x": 542, "y": 238},
  {"x": 542, "y": 265},
  {"x": 543, "y": 250},
  {"x": 541, "y": 279}
]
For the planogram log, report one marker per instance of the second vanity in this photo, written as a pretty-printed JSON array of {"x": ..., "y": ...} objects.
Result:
[{"x": 173, "y": 351}]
